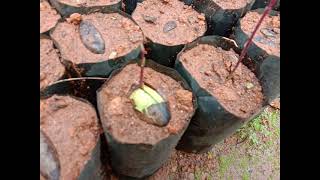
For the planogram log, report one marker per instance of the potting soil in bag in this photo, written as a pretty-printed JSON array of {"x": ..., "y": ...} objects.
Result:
[
  {"x": 222, "y": 15},
  {"x": 68, "y": 7},
  {"x": 223, "y": 105},
  {"x": 168, "y": 26},
  {"x": 265, "y": 49},
  {"x": 72, "y": 126},
  {"x": 98, "y": 43},
  {"x": 138, "y": 148}
]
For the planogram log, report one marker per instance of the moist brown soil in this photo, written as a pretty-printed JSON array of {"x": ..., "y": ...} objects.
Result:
[
  {"x": 87, "y": 3},
  {"x": 72, "y": 126},
  {"x": 48, "y": 16},
  {"x": 270, "y": 44},
  {"x": 42, "y": 178},
  {"x": 123, "y": 122},
  {"x": 182, "y": 166},
  {"x": 210, "y": 66},
  {"x": 51, "y": 69},
  {"x": 232, "y": 4},
  {"x": 152, "y": 15},
  {"x": 120, "y": 35},
  {"x": 275, "y": 104}
]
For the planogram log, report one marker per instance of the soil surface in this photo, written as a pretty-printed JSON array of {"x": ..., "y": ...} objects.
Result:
[
  {"x": 119, "y": 33},
  {"x": 51, "y": 69},
  {"x": 232, "y": 4},
  {"x": 88, "y": 3},
  {"x": 72, "y": 126},
  {"x": 275, "y": 104},
  {"x": 210, "y": 66},
  {"x": 169, "y": 22},
  {"x": 124, "y": 123},
  {"x": 48, "y": 16},
  {"x": 268, "y": 34},
  {"x": 42, "y": 178}
]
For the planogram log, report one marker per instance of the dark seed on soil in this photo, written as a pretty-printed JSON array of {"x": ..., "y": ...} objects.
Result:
[
  {"x": 91, "y": 37},
  {"x": 49, "y": 163},
  {"x": 264, "y": 41},
  {"x": 159, "y": 114},
  {"x": 59, "y": 104},
  {"x": 268, "y": 32},
  {"x": 150, "y": 19},
  {"x": 170, "y": 25}
]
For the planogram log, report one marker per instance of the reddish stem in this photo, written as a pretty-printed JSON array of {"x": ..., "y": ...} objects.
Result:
[
  {"x": 249, "y": 42},
  {"x": 143, "y": 62}
]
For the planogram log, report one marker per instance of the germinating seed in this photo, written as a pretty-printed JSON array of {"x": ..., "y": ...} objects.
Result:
[
  {"x": 158, "y": 113},
  {"x": 152, "y": 105}
]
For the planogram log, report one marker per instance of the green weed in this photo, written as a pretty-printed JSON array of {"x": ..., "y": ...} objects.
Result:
[
  {"x": 224, "y": 164},
  {"x": 198, "y": 174},
  {"x": 264, "y": 126}
]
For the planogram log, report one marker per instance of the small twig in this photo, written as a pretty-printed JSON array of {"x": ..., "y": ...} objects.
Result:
[
  {"x": 249, "y": 42},
  {"x": 76, "y": 79},
  {"x": 231, "y": 41},
  {"x": 242, "y": 140},
  {"x": 274, "y": 107},
  {"x": 143, "y": 62}
]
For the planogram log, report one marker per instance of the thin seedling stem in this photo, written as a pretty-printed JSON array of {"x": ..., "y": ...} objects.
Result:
[
  {"x": 143, "y": 62},
  {"x": 249, "y": 42}
]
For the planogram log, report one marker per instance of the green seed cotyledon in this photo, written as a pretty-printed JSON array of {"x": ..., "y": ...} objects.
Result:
[{"x": 152, "y": 105}]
